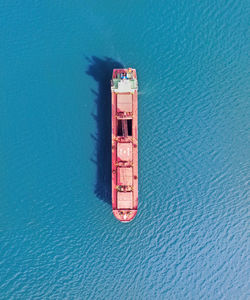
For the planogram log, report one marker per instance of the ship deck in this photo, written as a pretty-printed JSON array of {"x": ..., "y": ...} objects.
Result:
[{"x": 124, "y": 148}]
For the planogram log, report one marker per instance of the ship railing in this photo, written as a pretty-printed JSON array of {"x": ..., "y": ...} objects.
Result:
[
  {"x": 124, "y": 115},
  {"x": 124, "y": 188},
  {"x": 123, "y": 163},
  {"x": 123, "y": 139}
]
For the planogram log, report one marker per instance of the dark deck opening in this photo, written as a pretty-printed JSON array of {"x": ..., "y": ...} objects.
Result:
[
  {"x": 124, "y": 128},
  {"x": 129, "y": 123},
  {"x": 119, "y": 128}
]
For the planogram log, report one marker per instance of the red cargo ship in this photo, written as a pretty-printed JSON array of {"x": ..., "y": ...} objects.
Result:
[{"x": 124, "y": 144}]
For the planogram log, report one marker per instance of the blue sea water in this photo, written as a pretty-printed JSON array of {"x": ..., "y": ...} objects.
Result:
[{"x": 58, "y": 237}]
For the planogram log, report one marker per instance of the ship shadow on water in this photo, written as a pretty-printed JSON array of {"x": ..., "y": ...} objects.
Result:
[{"x": 101, "y": 71}]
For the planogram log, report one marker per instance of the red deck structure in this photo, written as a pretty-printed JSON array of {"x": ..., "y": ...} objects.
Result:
[{"x": 124, "y": 144}]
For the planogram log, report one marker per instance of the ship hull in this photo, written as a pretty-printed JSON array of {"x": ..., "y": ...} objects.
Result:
[{"x": 124, "y": 93}]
